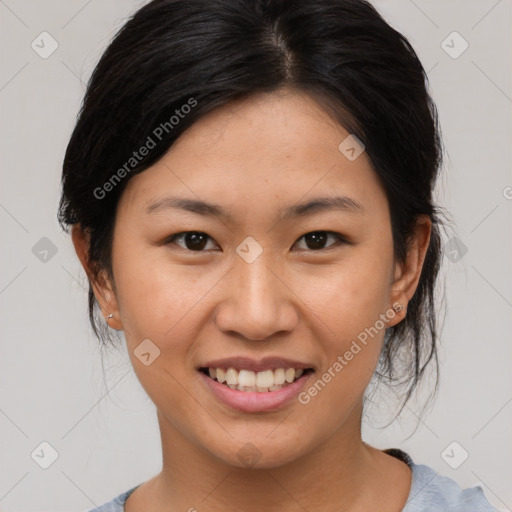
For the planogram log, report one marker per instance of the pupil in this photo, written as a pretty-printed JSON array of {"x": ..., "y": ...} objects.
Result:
[
  {"x": 318, "y": 238},
  {"x": 196, "y": 242}
]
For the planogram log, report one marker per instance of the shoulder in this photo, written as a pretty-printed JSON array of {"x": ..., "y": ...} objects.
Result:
[
  {"x": 431, "y": 491},
  {"x": 115, "y": 505}
]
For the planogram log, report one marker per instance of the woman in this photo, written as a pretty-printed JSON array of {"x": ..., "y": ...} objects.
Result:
[{"x": 249, "y": 186}]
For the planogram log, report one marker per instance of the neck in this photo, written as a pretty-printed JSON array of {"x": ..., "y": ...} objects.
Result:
[{"x": 338, "y": 475}]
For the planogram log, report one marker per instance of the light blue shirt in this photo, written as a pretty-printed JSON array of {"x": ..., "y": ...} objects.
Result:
[{"x": 430, "y": 492}]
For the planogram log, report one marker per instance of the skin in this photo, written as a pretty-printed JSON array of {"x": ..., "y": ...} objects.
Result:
[{"x": 254, "y": 158}]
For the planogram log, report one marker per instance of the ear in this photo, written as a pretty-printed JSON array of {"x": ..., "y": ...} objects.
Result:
[
  {"x": 407, "y": 275},
  {"x": 101, "y": 284}
]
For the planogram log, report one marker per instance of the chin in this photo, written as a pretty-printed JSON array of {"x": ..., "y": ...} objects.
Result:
[{"x": 262, "y": 454}]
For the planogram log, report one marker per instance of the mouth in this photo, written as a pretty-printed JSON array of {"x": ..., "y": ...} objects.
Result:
[{"x": 266, "y": 381}]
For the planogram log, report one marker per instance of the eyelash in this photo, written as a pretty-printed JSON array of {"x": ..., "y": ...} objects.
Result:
[{"x": 340, "y": 238}]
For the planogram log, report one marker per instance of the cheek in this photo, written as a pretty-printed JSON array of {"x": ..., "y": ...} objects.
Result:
[
  {"x": 162, "y": 300},
  {"x": 352, "y": 305},
  {"x": 152, "y": 294},
  {"x": 351, "y": 296}
]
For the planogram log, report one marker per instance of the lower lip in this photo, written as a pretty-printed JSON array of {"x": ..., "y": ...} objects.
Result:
[{"x": 254, "y": 401}]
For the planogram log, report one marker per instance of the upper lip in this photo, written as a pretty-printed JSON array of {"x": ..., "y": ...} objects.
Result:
[{"x": 246, "y": 363}]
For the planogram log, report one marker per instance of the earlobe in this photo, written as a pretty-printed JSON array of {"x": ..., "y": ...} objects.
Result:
[
  {"x": 103, "y": 291},
  {"x": 101, "y": 286},
  {"x": 407, "y": 275},
  {"x": 114, "y": 322}
]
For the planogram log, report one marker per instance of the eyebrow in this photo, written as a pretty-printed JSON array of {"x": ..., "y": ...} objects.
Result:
[{"x": 319, "y": 204}]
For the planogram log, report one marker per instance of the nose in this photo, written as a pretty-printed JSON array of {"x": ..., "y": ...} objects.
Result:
[{"x": 258, "y": 302}]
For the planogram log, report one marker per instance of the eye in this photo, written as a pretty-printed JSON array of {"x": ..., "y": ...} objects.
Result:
[
  {"x": 194, "y": 240},
  {"x": 197, "y": 240},
  {"x": 316, "y": 239}
]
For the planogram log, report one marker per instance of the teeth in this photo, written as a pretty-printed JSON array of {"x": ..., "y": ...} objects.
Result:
[
  {"x": 265, "y": 379},
  {"x": 232, "y": 377},
  {"x": 289, "y": 375},
  {"x": 221, "y": 375},
  {"x": 279, "y": 377},
  {"x": 247, "y": 380}
]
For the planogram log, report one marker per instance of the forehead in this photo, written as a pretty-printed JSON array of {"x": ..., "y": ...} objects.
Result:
[{"x": 279, "y": 147}]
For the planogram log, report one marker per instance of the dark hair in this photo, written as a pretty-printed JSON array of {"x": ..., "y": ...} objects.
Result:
[{"x": 206, "y": 53}]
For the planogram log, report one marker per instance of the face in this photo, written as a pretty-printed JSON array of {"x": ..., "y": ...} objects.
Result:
[{"x": 311, "y": 287}]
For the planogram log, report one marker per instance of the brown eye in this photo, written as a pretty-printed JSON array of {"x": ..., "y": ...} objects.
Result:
[
  {"x": 197, "y": 241},
  {"x": 316, "y": 239},
  {"x": 193, "y": 240}
]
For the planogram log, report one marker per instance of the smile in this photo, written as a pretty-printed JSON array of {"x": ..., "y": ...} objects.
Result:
[
  {"x": 251, "y": 391},
  {"x": 250, "y": 381}
]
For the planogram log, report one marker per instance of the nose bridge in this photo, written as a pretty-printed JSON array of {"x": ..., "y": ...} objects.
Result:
[
  {"x": 257, "y": 281},
  {"x": 258, "y": 303}
]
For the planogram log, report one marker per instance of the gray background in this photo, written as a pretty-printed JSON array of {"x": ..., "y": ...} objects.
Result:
[{"x": 105, "y": 431}]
